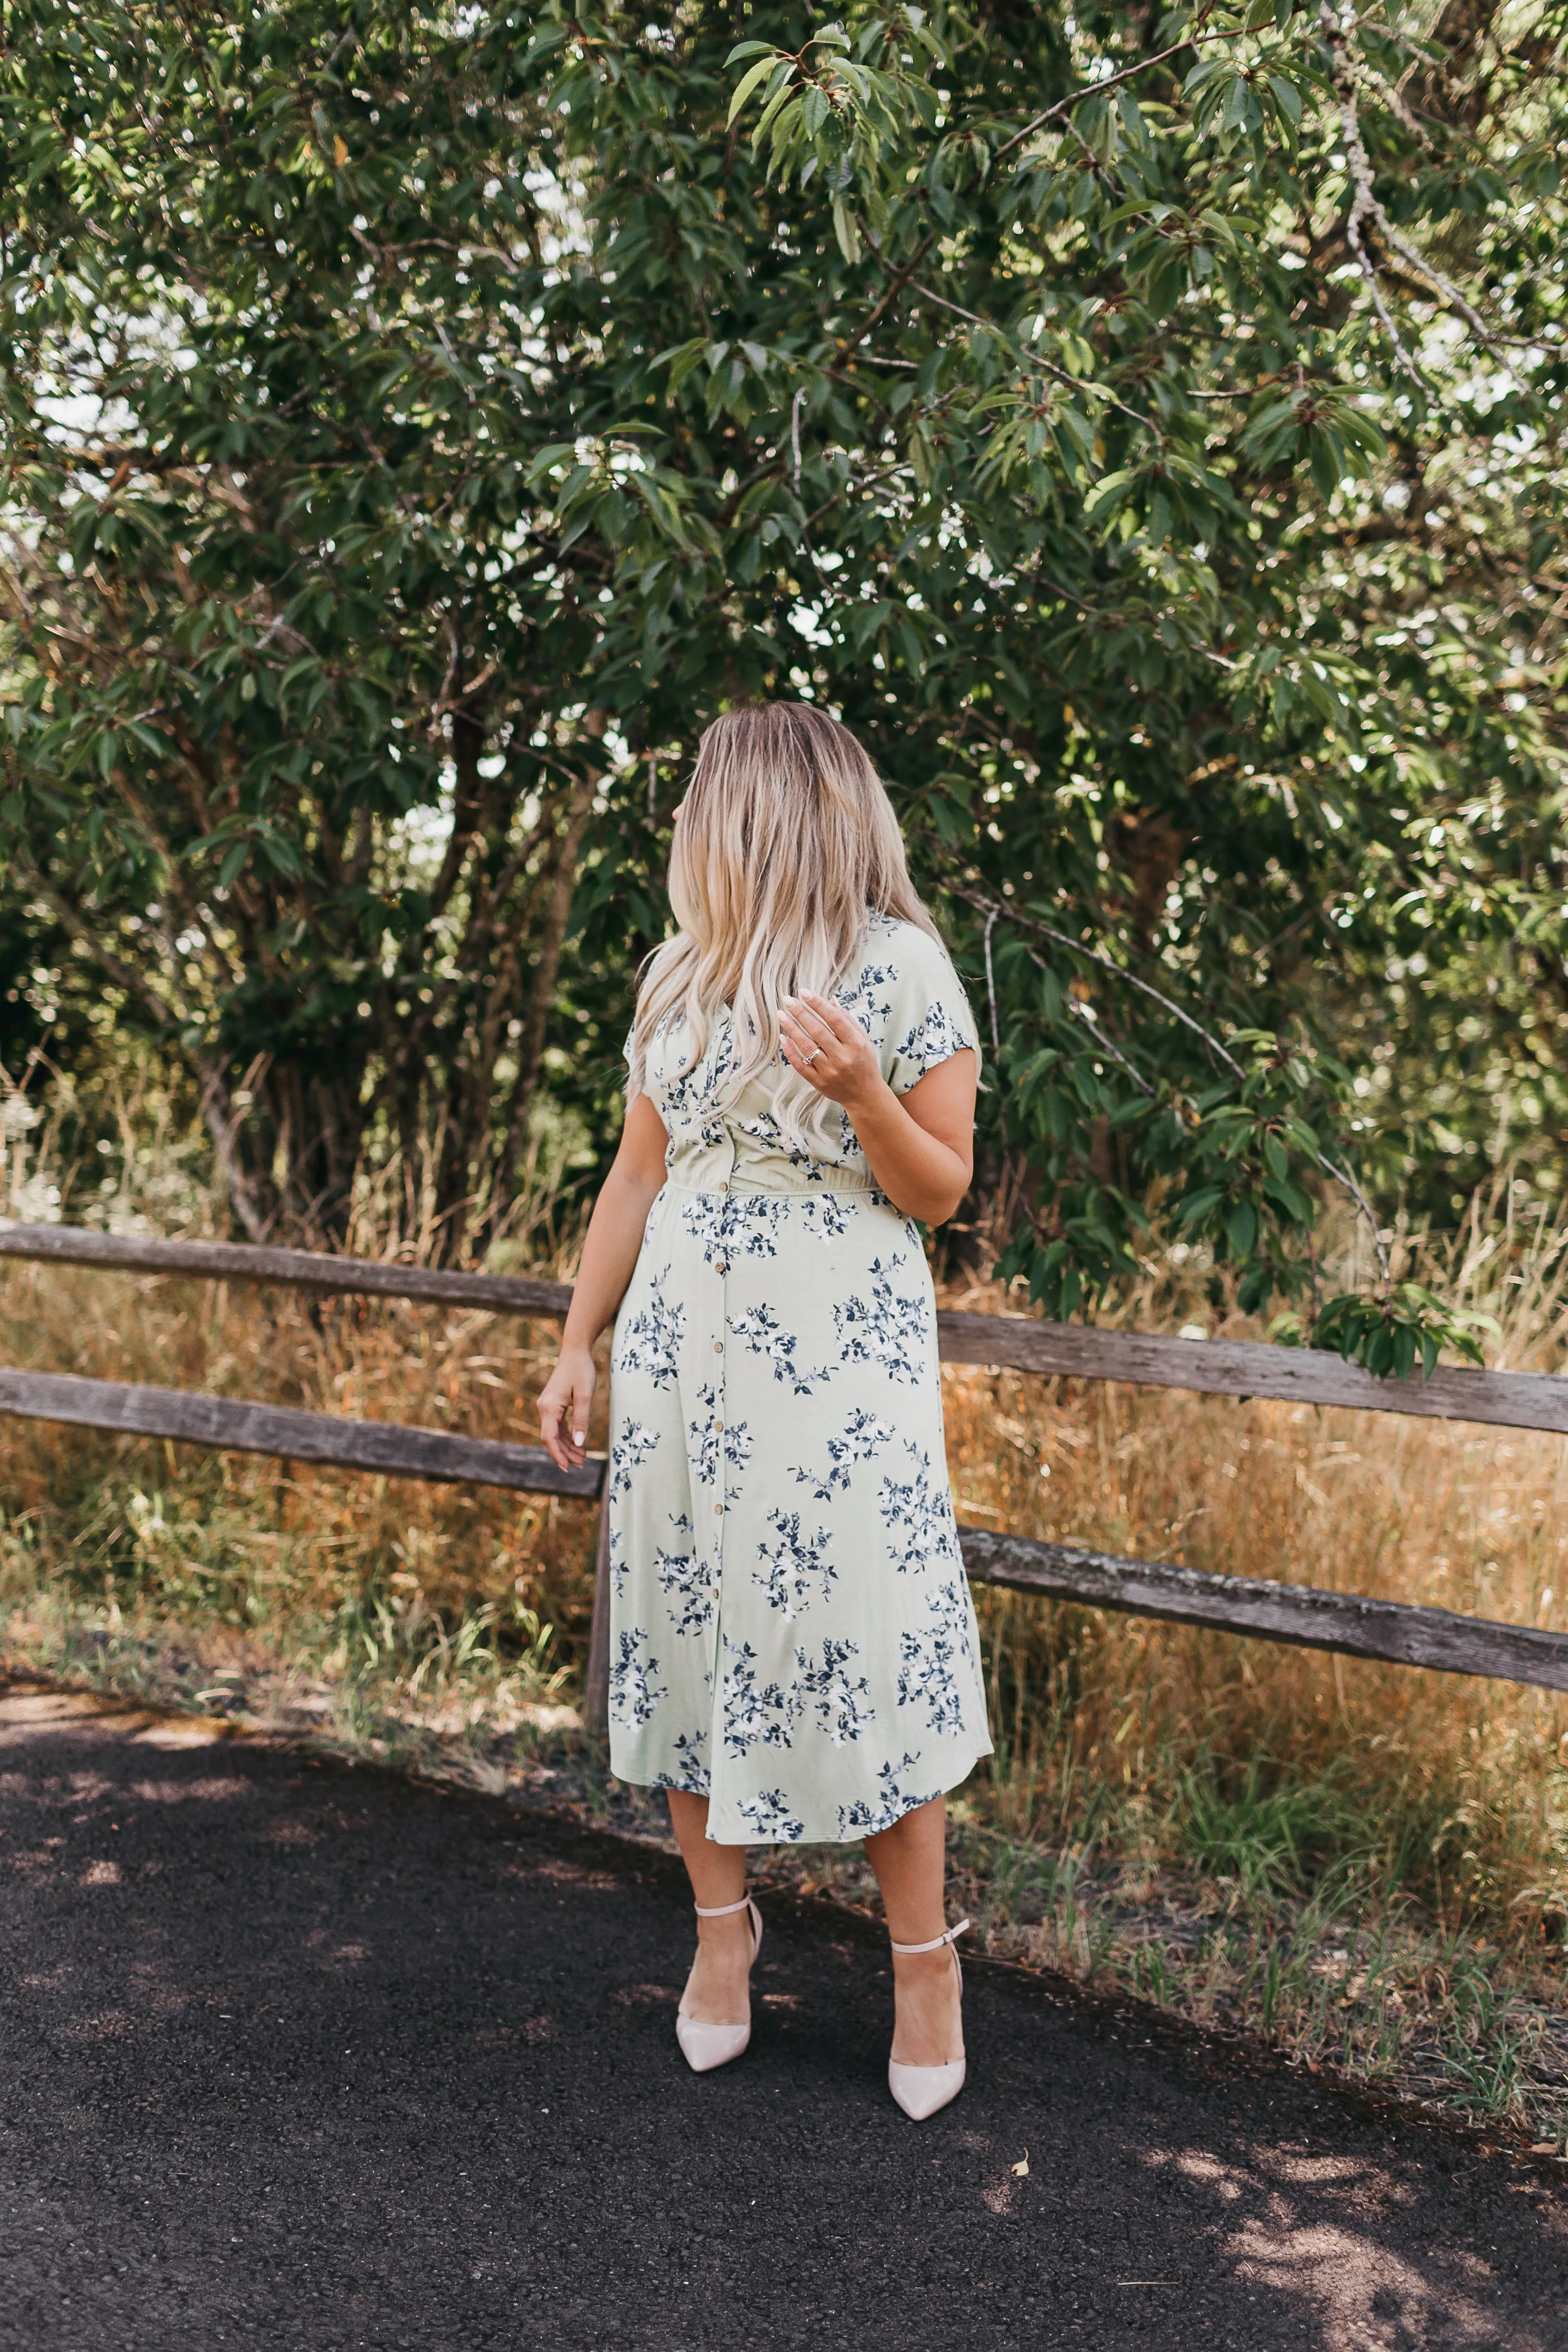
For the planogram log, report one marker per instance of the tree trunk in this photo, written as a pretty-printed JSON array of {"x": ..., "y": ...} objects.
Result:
[
  {"x": 221, "y": 1125},
  {"x": 540, "y": 996}
]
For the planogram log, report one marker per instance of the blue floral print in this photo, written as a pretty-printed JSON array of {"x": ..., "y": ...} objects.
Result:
[
  {"x": 867, "y": 1816},
  {"x": 756, "y": 1712},
  {"x": 765, "y": 1334},
  {"x": 767, "y": 1132},
  {"x": 918, "y": 1514},
  {"x": 828, "y": 1218},
  {"x": 792, "y": 1563},
  {"x": 713, "y": 1448},
  {"x": 931, "y": 1657},
  {"x": 934, "y": 1038},
  {"x": 869, "y": 999},
  {"x": 634, "y": 1694},
  {"x": 686, "y": 1581},
  {"x": 734, "y": 1227},
  {"x": 630, "y": 1451},
  {"x": 768, "y": 1817},
  {"x": 689, "y": 1771},
  {"x": 861, "y": 1439},
  {"x": 888, "y": 1330},
  {"x": 653, "y": 1336},
  {"x": 843, "y": 1707}
]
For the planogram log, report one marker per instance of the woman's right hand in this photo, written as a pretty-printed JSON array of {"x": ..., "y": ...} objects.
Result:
[{"x": 565, "y": 1401}]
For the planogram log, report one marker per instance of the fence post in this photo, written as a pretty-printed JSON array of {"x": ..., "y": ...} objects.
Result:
[{"x": 596, "y": 1692}]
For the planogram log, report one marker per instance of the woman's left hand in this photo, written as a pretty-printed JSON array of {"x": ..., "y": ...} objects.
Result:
[{"x": 827, "y": 1046}]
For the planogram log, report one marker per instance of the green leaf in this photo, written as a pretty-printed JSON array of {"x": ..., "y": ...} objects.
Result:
[
  {"x": 1241, "y": 1228},
  {"x": 1108, "y": 494},
  {"x": 778, "y": 94},
  {"x": 754, "y": 75},
  {"x": 1287, "y": 97},
  {"x": 846, "y": 231}
]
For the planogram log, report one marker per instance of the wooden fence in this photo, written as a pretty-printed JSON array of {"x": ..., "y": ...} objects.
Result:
[{"x": 1303, "y": 1614}]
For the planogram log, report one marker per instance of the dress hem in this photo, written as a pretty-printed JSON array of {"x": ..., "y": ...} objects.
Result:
[{"x": 807, "y": 1837}]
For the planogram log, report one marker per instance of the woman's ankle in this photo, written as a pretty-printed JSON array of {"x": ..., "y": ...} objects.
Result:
[
  {"x": 731, "y": 1933},
  {"x": 924, "y": 1967}
]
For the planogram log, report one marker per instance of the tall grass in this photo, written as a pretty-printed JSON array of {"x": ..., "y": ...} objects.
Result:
[
  {"x": 309, "y": 1579},
  {"x": 1369, "y": 1862},
  {"x": 1464, "y": 1783}
]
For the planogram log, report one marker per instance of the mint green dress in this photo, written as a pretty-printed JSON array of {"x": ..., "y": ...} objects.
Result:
[{"x": 792, "y": 1632}]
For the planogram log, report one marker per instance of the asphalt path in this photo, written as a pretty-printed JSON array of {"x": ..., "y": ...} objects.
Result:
[{"x": 293, "y": 2055}]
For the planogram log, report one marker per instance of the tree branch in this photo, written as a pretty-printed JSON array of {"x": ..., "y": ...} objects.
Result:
[
  {"x": 1093, "y": 88},
  {"x": 1034, "y": 359}
]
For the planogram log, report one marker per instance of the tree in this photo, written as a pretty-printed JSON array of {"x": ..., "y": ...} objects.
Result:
[
  {"x": 1143, "y": 429},
  {"x": 293, "y": 759}
]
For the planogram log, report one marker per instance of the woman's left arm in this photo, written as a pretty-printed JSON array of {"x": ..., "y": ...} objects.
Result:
[{"x": 920, "y": 1145}]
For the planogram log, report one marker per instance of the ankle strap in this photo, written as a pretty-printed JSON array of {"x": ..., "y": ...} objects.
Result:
[
  {"x": 724, "y": 1909},
  {"x": 936, "y": 1942}
]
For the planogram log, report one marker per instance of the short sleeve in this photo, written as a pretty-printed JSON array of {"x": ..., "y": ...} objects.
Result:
[{"x": 931, "y": 1016}]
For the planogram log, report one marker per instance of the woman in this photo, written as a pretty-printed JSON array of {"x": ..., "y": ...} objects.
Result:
[{"x": 793, "y": 1652}]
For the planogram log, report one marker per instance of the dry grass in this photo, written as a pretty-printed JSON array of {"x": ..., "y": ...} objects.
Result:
[
  {"x": 1468, "y": 1774},
  {"x": 343, "y": 1574},
  {"x": 1369, "y": 1864},
  {"x": 322, "y": 1585}
]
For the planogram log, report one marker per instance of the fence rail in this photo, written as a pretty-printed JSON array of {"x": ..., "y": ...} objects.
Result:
[
  {"x": 1250, "y": 1368},
  {"x": 1303, "y": 1615},
  {"x": 1307, "y": 1616},
  {"x": 1013, "y": 1342},
  {"x": 396, "y": 1448},
  {"x": 294, "y": 1269}
]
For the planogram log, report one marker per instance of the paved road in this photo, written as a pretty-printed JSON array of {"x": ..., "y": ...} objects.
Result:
[{"x": 292, "y": 2055}]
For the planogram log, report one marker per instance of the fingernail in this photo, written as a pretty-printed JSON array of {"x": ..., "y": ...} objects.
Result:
[{"x": 578, "y": 1436}]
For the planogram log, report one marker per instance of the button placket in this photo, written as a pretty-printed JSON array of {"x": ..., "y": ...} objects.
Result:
[
  {"x": 721, "y": 1268},
  {"x": 721, "y": 1414}
]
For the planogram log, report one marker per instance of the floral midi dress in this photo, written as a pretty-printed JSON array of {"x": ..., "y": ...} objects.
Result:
[{"x": 792, "y": 1632}]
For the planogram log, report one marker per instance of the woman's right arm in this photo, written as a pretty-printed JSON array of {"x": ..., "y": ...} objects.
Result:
[{"x": 609, "y": 1254}]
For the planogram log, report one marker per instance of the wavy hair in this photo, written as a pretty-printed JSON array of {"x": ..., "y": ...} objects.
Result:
[{"x": 785, "y": 847}]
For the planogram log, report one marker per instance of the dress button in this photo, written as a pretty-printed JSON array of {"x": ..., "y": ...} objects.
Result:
[
  {"x": 723, "y": 1187},
  {"x": 722, "y": 1267},
  {"x": 718, "y": 1347},
  {"x": 718, "y": 1429},
  {"x": 718, "y": 1507}
]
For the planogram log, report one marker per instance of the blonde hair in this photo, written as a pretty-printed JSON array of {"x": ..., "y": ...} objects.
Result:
[{"x": 785, "y": 847}]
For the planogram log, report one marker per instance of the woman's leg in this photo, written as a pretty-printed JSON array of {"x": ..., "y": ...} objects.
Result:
[
  {"x": 717, "y": 1991},
  {"x": 911, "y": 1862}
]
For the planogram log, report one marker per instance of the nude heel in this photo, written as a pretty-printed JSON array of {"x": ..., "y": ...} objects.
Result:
[
  {"x": 921, "y": 2090},
  {"x": 703, "y": 2047}
]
